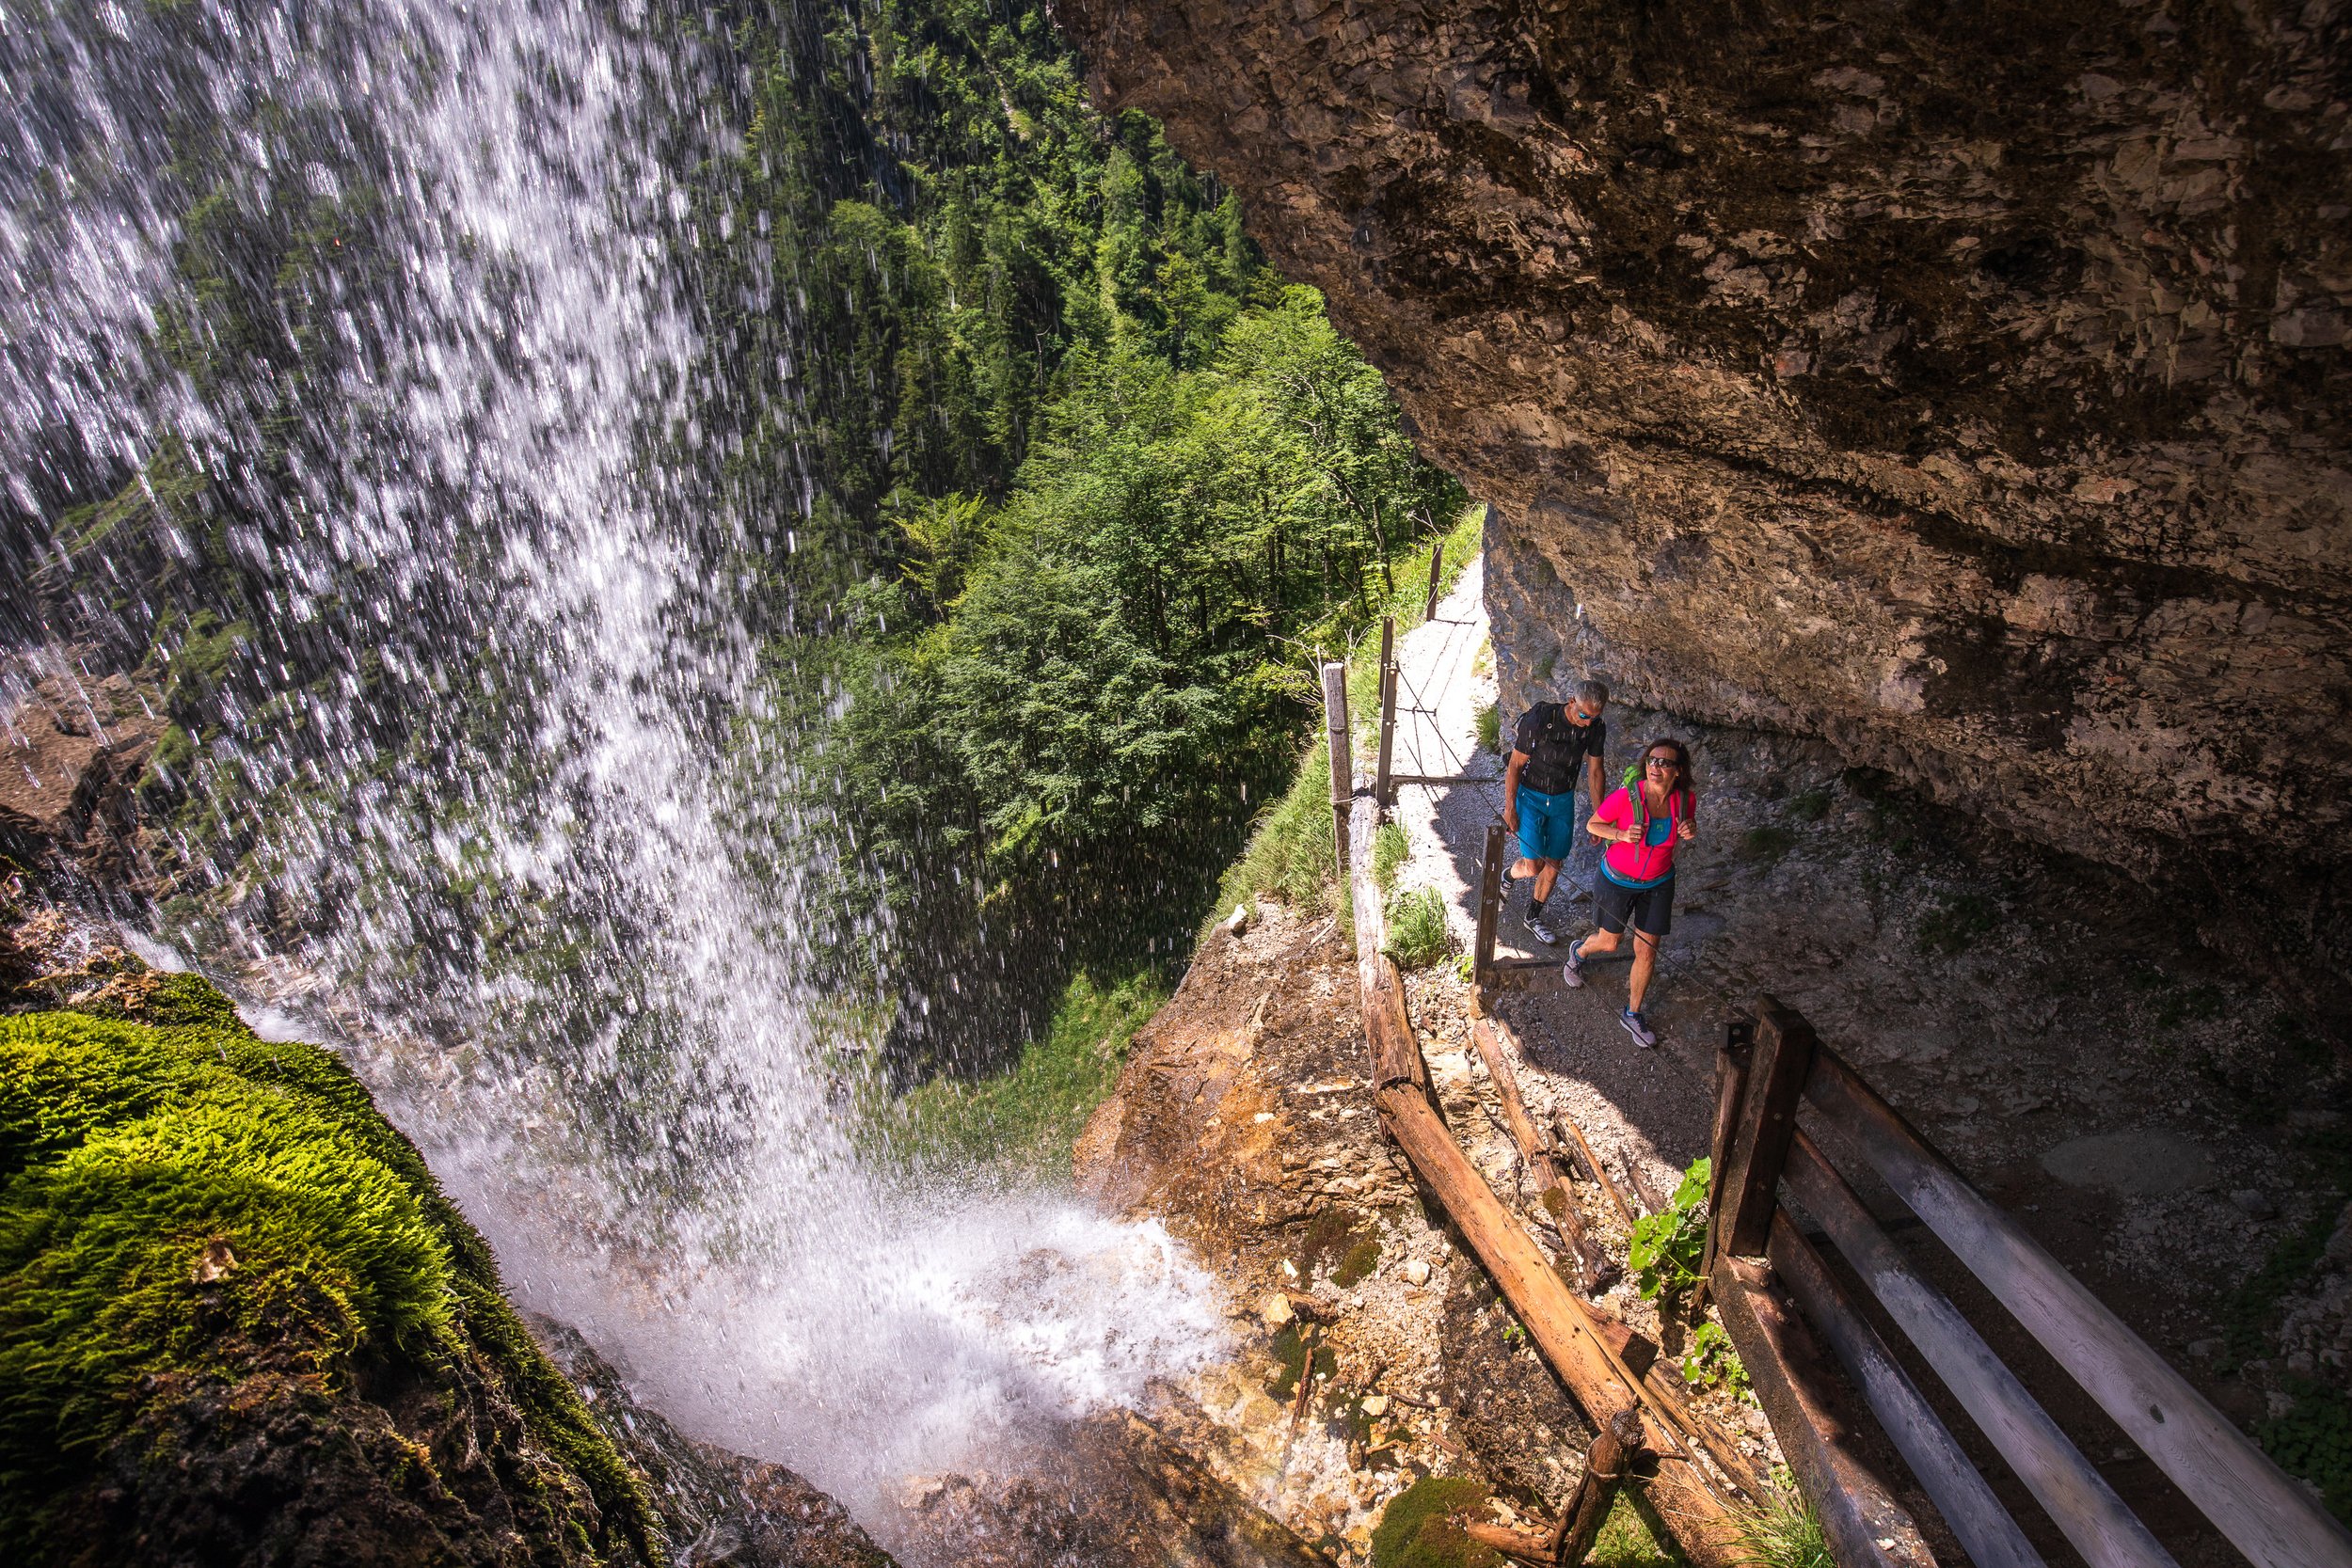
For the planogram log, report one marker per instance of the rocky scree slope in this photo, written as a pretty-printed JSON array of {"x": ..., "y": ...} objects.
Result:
[{"x": 1964, "y": 385}]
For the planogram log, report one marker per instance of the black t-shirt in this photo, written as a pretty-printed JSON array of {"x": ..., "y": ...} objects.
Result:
[{"x": 1556, "y": 748}]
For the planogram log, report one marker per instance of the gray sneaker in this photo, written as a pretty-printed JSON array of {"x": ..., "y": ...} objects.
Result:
[
  {"x": 1635, "y": 1025},
  {"x": 1572, "y": 973},
  {"x": 1544, "y": 933}
]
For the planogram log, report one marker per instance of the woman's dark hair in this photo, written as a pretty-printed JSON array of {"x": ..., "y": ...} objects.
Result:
[{"x": 1684, "y": 784}]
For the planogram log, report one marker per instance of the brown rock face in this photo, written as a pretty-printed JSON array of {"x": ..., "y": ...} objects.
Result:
[{"x": 1966, "y": 385}]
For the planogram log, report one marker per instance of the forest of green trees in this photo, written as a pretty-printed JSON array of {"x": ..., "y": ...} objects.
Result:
[{"x": 1094, "y": 484}]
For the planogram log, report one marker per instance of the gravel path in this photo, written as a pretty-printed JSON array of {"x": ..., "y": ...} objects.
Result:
[{"x": 1648, "y": 1108}]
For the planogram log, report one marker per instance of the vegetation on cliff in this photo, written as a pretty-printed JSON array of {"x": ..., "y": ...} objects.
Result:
[{"x": 227, "y": 1284}]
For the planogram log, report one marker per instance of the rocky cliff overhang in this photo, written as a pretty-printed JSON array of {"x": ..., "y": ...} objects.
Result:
[{"x": 1964, "y": 384}]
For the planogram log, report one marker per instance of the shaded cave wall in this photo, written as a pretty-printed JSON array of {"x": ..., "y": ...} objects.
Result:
[{"x": 1964, "y": 385}]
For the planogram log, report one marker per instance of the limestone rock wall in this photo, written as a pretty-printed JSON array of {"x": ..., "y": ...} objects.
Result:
[{"x": 1965, "y": 385}]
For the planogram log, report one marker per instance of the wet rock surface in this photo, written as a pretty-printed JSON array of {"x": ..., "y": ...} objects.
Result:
[
  {"x": 1965, "y": 388},
  {"x": 721, "y": 1510}
]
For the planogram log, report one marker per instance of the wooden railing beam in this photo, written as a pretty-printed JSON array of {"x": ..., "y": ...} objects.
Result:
[
  {"x": 1984, "y": 1528},
  {"x": 2067, "y": 1485},
  {"x": 1782, "y": 1060},
  {"x": 2263, "y": 1510}
]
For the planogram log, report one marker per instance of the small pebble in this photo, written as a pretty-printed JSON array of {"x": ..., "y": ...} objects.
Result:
[{"x": 1417, "y": 1273}]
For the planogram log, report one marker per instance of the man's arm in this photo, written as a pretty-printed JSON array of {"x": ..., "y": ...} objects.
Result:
[
  {"x": 1511, "y": 790},
  {"x": 1593, "y": 779}
]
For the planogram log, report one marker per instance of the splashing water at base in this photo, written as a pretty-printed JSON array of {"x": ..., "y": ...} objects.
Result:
[{"x": 492, "y": 778}]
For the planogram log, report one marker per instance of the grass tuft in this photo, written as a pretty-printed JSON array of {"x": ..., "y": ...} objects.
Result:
[
  {"x": 1391, "y": 849},
  {"x": 1490, "y": 727},
  {"x": 1784, "y": 1533},
  {"x": 1418, "y": 934}
]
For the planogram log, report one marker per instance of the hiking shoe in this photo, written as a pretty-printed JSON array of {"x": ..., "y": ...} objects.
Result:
[
  {"x": 1544, "y": 933},
  {"x": 1572, "y": 973},
  {"x": 1643, "y": 1034}
]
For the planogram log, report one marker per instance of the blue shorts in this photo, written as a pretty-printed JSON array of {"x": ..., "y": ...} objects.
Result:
[{"x": 1547, "y": 824}]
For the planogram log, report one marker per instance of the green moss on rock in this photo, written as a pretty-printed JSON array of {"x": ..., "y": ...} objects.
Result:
[
  {"x": 214, "y": 1249},
  {"x": 1417, "y": 1529}
]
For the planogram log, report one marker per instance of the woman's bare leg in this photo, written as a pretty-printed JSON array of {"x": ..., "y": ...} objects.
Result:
[{"x": 1644, "y": 960}]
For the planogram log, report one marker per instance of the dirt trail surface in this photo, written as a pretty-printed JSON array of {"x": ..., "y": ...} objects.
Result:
[
  {"x": 2161, "y": 1124},
  {"x": 1245, "y": 1120}
]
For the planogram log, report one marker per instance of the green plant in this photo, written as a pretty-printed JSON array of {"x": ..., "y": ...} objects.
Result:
[
  {"x": 1708, "y": 1359},
  {"x": 1391, "y": 848},
  {"x": 1418, "y": 1529},
  {"x": 1667, "y": 1244},
  {"x": 1783, "y": 1533},
  {"x": 1626, "y": 1541},
  {"x": 1490, "y": 727},
  {"x": 1766, "y": 844},
  {"x": 2313, "y": 1440},
  {"x": 1418, "y": 934},
  {"x": 1812, "y": 805}
]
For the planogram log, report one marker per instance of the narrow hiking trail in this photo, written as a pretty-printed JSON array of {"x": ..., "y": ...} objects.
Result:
[{"x": 2146, "y": 1113}]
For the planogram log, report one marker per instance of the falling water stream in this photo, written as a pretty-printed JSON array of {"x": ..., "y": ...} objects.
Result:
[{"x": 501, "y": 782}]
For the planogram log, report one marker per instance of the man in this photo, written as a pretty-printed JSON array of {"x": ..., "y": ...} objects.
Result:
[{"x": 1554, "y": 743}]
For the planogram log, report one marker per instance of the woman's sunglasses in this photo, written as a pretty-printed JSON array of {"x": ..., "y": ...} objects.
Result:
[{"x": 1663, "y": 762}]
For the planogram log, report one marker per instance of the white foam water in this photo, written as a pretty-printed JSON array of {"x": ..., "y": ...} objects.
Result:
[{"x": 508, "y": 815}]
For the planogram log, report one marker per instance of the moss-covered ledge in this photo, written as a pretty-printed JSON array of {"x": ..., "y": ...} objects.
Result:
[{"x": 239, "y": 1320}]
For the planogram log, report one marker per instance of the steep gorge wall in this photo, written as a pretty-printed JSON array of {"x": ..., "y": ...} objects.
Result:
[{"x": 1966, "y": 385}]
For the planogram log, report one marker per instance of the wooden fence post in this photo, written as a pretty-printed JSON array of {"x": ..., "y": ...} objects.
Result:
[
  {"x": 1437, "y": 565},
  {"x": 1383, "y": 785},
  {"x": 1750, "y": 1189},
  {"x": 1731, "y": 1082},
  {"x": 1489, "y": 906},
  {"x": 1342, "y": 758}
]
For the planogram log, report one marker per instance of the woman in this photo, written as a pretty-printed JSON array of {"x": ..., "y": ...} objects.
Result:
[{"x": 1641, "y": 826}]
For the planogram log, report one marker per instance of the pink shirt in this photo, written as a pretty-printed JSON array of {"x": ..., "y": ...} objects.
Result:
[{"x": 1651, "y": 861}]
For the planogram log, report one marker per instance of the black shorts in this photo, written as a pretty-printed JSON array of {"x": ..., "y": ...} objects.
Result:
[{"x": 1650, "y": 909}]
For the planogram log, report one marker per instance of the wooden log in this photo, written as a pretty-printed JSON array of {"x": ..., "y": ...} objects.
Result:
[
  {"x": 1395, "y": 1054},
  {"x": 1383, "y": 787},
  {"x": 1556, "y": 1321},
  {"x": 1638, "y": 1351},
  {"x": 1335, "y": 726},
  {"x": 1593, "y": 1267},
  {"x": 1785, "y": 1049},
  {"x": 1737, "y": 1468},
  {"x": 2068, "y": 1486},
  {"x": 1592, "y": 1163},
  {"x": 1731, "y": 1082},
  {"x": 1985, "y": 1529},
  {"x": 1510, "y": 1543},
  {"x": 1857, "y": 1510},
  {"x": 1605, "y": 1464},
  {"x": 2263, "y": 1513},
  {"x": 1489, "y": 905}
]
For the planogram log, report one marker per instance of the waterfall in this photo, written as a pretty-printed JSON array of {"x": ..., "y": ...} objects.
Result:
[{"x": 485, "y": 758}]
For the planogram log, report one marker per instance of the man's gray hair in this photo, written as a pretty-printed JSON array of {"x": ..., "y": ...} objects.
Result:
[{"x": 1592, "y": 693}]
